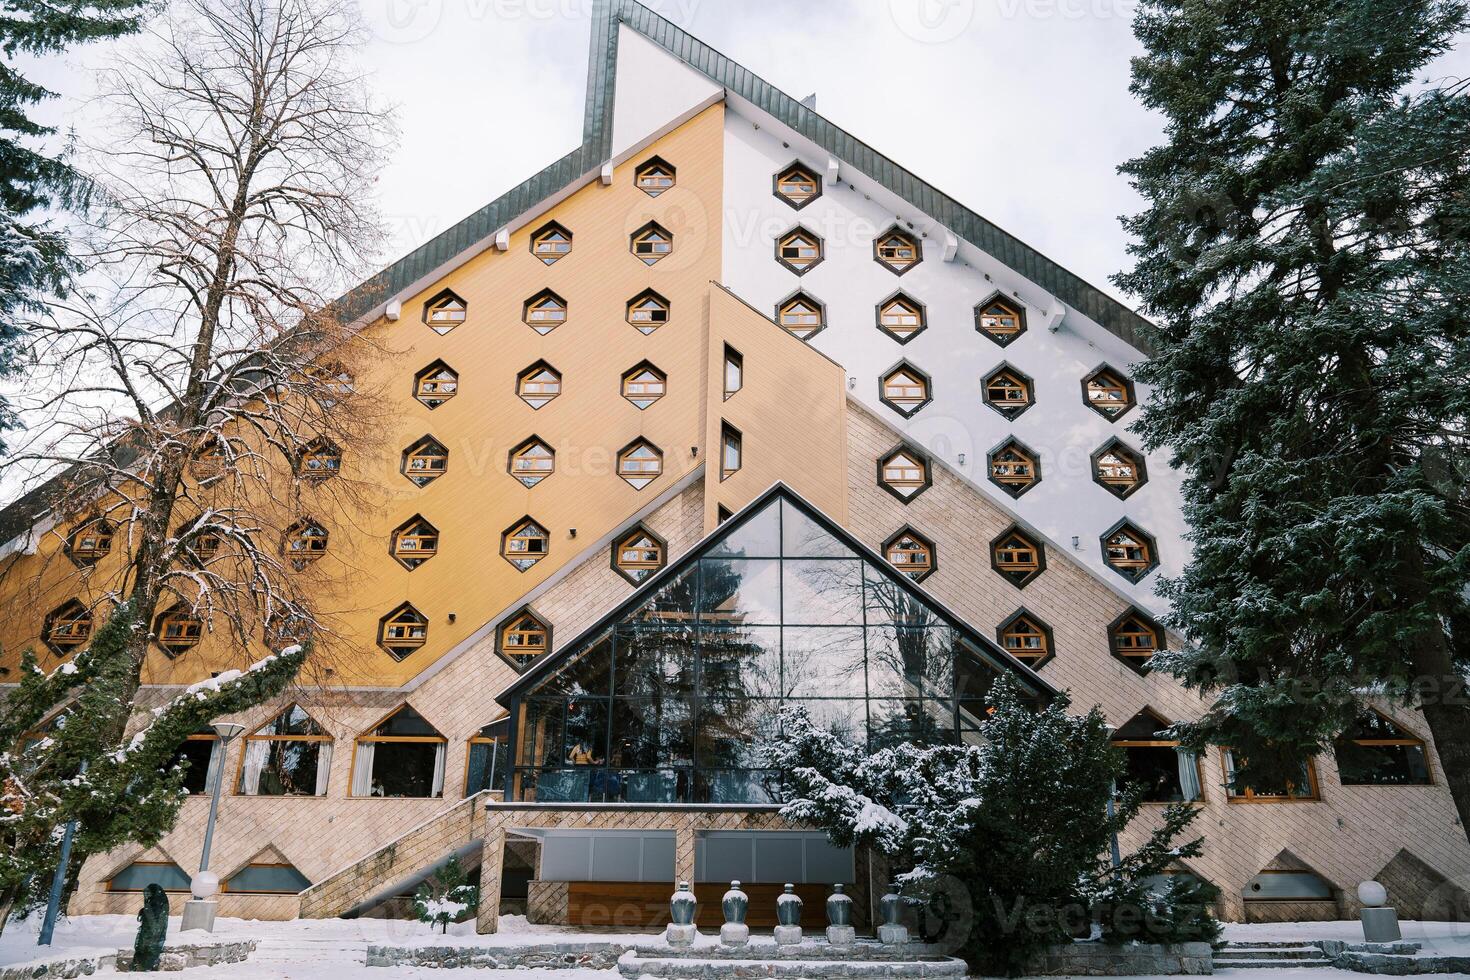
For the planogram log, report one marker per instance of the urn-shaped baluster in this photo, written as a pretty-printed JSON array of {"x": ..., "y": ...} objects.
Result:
[
  {"x": 682, "y": 906},
  {"x": 892, "y": 906},
  {"x": 788, "y": 907},
  {"x": 735, "y": 903},
  {"x": 839, "y": 908}
]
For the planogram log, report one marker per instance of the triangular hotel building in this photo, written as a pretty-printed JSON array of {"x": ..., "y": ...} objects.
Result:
[{"x": 720, "y": 411}]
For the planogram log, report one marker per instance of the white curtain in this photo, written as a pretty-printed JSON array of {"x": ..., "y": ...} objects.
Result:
[
  {"x": 323, "y": 767},
  {"x": 438, "y": 788},
  {"x": 257, "y": 753},
  {"x": 1188, "y": 774},
  {"x": 362, "y": 769}
]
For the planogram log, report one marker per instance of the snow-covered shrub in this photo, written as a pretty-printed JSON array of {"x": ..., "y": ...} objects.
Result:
[
  {"x": 1007, "y": 840},
  {"x": 446, "y": 897}
]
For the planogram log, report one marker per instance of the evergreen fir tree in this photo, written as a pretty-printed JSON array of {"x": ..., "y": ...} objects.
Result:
[
  {"x": 33, "y": 257},
  {"x": 446, "y": 897},
  {"x": 1020, "y": 820},
  {"x": 64, "y": 772},
  {"x": 1306, "y": 252}
]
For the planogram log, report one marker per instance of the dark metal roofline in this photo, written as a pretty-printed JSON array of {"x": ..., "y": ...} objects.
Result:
[{"x": 987, "y": 647}]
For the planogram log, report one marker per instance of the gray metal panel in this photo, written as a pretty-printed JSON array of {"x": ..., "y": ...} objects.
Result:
[
  {"x": 566, "y": 858},
  {"x": 826, "y": 864},
  {"x": 616, "y": 859},
  {"x": 658, "y": 858},
  {"x": 727, "y": 857},
  {"x": 780, "y": 857}
]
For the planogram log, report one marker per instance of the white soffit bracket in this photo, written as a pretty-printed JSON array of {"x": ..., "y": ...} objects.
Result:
[
  {"x": 607, "y": 173},
  {"x": 394, "y": 310},
  {"x": 951, "y": 245},
  {"x": 833, "y": 170},
  {"x": 502, "y": 240}
]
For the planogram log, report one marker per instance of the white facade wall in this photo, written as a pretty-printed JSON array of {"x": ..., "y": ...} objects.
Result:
[{"x": 1058, "y": 426}]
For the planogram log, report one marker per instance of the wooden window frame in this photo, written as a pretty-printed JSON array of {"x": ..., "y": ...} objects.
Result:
[
  {"x": 909, "y": 397},
  {"x": 915, "y": 571},
  {"x": 735, "y": 361},
  {"x": 540, "y": 472},
  {"x": 902, "y": 333},
  {"x": 415, "y": 557},
  {"x": 798, "y": 241},
  {"x": 1013, "y": 487},
  {"x": 514, "y": 533},
  {"x": 882, "y": 249},
  {"x": 1120, "y": 382},
  {"x": 105, "y": 535},
  {"x": 630, "y": 469},
  {"x": 731, "y": 436},
  {"x": 789, "y": 175},
  {"x": 1133, "y": 569},
  {"x": 1246, "y": 795},
  {"x": 445, "y": 299},
  {"x": 630, "y": 569},
  {"x": 297, "y": 532},
  {"x": 1004, "y": 552},
  {"x": 1171, "y": 743},
  {"x": 545, "y": 311},
  {"x": 1001, "y": 337},
  {"x": 1122, "y": 489},
  {"x": 391, "y": 620},
  {"x": 255, "y": 736},
  {"x": 1406, "y": 739},
  {"x": 629, "y": 380},
  {"x": 548, "y": 253},
  {"x": 479, "y": 738},
  {"x": 525, "y": 378},
  {"x": 1040, "y": 628},
  {"x": 67, "y": 614},
  {"x": 398, "y": 739},
  {"x": 181, "y": 613},
  {"x": 429, "y": 449},
  {"x": 510, "y": 652},
  {"x": 428, "y": 396},
  {"x": 318, "y": 449},
  {"x": 814, "y": 308},
  {"x": 1138, "y": 664},
  {"x": 1007, "y": 377},
  {"x": 651, "y": 244},
  {"x": 895, "y": 482},
  {"x": 650, "y": 174},
  {"x": 658, "y": 315}
]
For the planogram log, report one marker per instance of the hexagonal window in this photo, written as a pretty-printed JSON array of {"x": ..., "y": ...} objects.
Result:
[
  {"x": 544, "y": 312},
  {"x": 444, "y": 311},
  {"x": 904, "y": 472},
  {"x": 425, "y": 461},
  {"x": 551, "y": 242},
  {"x": 652, "y": 242},
  {"x": 902, "y": 317},
  {"x": 90, "y": 541},
  {"x": 643, "y": 384},
  {"x": 638, "y": 554},
  {"x": 911, "y": 553},
  {"x": 403, "y": 631},
  {"x": 524, "y": 543},
  {"x": 1008, "y": 391},
  {"x": 177, "y": 630},
  {"x": 1000, "y": 319},
  {"x": 648, "y": 311},
  {"x": 303, "y": 543},
  {"x": 532, "y": 461},
  {"x": 654, "y": 176},
  {"x": 436, "y": 384},
  {"x": 538, "y": 384},
  {"x": 1109, "y": 393},
  {"x": 414, "y": 542},
  {"x": 202, "y": 544},
  {"x": 640, "y": 462},
  {"x": 67, "y": 628},
  {"x": 522, "y": 637},
  {"x": 1134, "y": 638},
  {"x": 1119, "y": 469},
  {"x": 799, "y": 250},
  {"x": 797, "y": 185},
  {"x": 1018, "y": 557},
  {"x": 1129, "y": 550},
  {"x": 802, "y": 316},
  {"x": 289, "y": 629},
  {"x": 897, "y": 250},
  {"x": 905, "y": 389},
  {"x": 1026, "y": 638},
  {"x": 210, "y": 462},
  {"x": 1014, "y": 467},
  {"x": 320, "y": 460}
]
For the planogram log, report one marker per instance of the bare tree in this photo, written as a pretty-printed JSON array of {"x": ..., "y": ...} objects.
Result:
[{"x": 197, "y": 400}]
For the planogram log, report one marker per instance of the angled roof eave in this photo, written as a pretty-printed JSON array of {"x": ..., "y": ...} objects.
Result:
[{"x": 988, "y": 648}]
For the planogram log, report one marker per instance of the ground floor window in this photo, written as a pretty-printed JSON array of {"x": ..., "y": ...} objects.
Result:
[
  {"x": 401, "y": 756},
  {"x": 140, "y": 874},
  {"x": 266, "y": 879},
  {"x": 1302, "y": 788},
  {"x": 1153, "y": 760},
  {"x": 1377, "y": 752},
  {"x": 289, "y": 756},
  {"x": 200, "y": 751}
]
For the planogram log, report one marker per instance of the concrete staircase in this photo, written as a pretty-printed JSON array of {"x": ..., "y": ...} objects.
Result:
[
  {"x": 1270, "y": 956},
  {"x": 398, "y": 865},
  {"x": 812, "y": 960}
]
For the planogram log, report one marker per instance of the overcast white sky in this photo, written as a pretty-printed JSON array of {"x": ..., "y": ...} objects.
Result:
[{"x": 1018, "y": 108}]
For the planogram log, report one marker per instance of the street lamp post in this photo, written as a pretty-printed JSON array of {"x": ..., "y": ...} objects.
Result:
[{"x": 200, "y": 909}]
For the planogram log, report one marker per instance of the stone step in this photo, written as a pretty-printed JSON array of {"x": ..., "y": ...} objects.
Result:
[
  {"x": 1264, "y": 944},
  {"x": 1227, "y": 963},
  {"x": 1272, "y": 953},
  {"x": 633, "y": 965}
]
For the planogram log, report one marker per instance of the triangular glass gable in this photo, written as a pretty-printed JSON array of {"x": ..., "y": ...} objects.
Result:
[
  {"x": 405, "y": 723},
  {"x": 677, "y": 696}
]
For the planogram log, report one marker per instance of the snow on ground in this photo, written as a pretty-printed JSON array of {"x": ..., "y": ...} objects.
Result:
[{"x": 329, "y": 949}]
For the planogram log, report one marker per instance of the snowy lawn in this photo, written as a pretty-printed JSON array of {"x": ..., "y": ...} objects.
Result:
[{"x": 1437, "y": 938}]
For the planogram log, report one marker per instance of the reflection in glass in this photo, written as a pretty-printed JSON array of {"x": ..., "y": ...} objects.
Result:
[
  {"x": 740, "y": 591},
  {"x": 847, "y": 719},
  {"x": 822, "y": 592},
  {"x": 739, "y": 662},
  {"x": 802, "y": 537},
  {"x": 757, "y": 537},
  {"x": 819, "y": 661}
]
